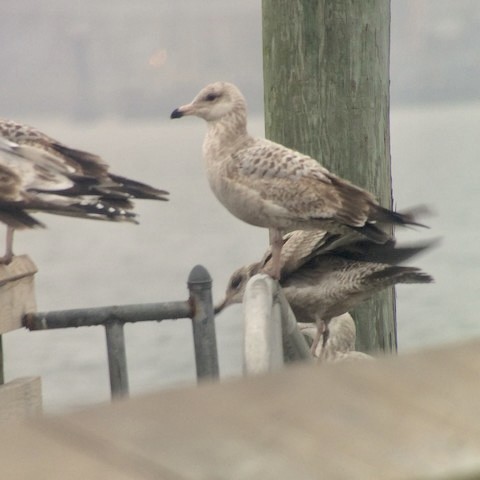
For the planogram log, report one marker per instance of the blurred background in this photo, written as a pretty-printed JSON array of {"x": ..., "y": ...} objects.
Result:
[{"x": 103, "y": 76}]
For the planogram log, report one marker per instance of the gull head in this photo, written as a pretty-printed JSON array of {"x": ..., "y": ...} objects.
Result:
[
  {"x": 213, "y": 102},
  {"x": 236, "y": 286}
]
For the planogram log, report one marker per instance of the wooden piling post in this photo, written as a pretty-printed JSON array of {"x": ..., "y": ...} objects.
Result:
[{"x": 326, "y": 86}]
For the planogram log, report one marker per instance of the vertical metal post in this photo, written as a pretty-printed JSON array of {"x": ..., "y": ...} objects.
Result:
[
  {"x": 203, "y": 323},
  {"x": 117, "y": 359}
]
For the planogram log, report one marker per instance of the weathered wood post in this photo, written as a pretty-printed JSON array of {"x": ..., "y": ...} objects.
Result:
[
  {"x": 326, "y": 78},
  {"x": 21, "y": 397}
]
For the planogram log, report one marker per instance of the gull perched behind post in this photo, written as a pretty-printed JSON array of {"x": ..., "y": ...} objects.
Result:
[
  {"x": 38, "y": 173},
  {"x": 322, "y": 277},
  {"x": 268, "y": 185},
  {"x": 340, "y": 344}
]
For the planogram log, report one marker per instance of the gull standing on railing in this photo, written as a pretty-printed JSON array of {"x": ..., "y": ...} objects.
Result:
[
  {"x": 38, "y": 173},
  {"x": 268, "y": 185},
  {"x": 322, "y": 277}
]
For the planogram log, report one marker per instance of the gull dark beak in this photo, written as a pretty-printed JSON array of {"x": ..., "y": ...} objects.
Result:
[
  {"x": 220, "y": 306},
  {"x": 188, "y": 109},
  {"x": 177, "y": 113}
]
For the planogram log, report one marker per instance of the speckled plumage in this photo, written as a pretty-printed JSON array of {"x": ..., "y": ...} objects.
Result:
[
  {"x": 268, "y": 185},
  {"x": 63, "y": 158},
  {"x": 38, "y": 173},
  {"x": 324, "y": 278}
]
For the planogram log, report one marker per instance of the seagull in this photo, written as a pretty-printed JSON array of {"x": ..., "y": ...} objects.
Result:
[
  {"x": 269, "y": 185},
  {"x": 340, "y": 346},
  {"x": 323, "y": 278},
  {"x": 38, "y": 173}
]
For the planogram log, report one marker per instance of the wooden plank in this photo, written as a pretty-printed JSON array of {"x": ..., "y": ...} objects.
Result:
[
  {"x": 20, "y": 398},
  {"x": 17, "y": 294},
  {"x": 414, "y": 416}
]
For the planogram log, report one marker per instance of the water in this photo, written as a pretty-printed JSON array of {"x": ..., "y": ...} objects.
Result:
[
  {"x": 435, "y": 161},
  {"x": 85, "y": 264}
]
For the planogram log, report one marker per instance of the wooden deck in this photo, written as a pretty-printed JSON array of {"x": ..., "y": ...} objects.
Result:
[{"x": 414, "y": 416}]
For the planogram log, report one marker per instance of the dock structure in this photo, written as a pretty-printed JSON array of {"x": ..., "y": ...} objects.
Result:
[
  {"x": 20, "y": 397},
  {"x": 17, "y": 292},
  {"x": 407, "y": 417}
]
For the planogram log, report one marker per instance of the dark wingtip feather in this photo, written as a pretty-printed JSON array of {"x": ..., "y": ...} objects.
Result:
[
  {"x": 104, "y": 210},
  {"x": 93, "y": 165},
  {"x": 140, "y": 190},
  {"x": 373, "y": 233},
  {"x": 389, "y": 252},
  {"x": 18, "y": 218},
  {"x": 89, "y": 208},
  {"x": 407, "y": 217},
  {"x": 396, "y": 274}
]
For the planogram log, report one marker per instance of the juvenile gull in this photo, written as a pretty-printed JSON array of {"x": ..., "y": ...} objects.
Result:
[
  {"x": 327, "y": 279},
  {"x": 340, "y": 345},
  {"x": 268, "y": 185},
  {"x": 38, "y": 173}
]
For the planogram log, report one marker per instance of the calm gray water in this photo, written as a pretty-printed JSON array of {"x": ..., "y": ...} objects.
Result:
[{"x": 84, "y": 264}]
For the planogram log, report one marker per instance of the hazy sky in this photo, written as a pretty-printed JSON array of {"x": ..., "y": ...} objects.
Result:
[{"x": 95, "y": 58}]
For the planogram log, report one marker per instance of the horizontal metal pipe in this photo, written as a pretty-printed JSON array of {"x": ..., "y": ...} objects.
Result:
[{"x": 85, "y": 317}]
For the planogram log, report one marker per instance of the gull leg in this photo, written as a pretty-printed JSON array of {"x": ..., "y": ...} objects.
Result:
[
  {"x": 326, "y": 334},
  {"x": 325, "y": 354},
  {"x": 320, "y": 331},
  {"x": 7, "y": 258},
  {"x": 276, "y": 242}
]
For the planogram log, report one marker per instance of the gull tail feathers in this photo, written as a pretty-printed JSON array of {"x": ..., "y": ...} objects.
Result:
[
  {"x": 139, "y": 189},
  {"x": 388, "y": 253},
  {"x": 396, "y": 274}
]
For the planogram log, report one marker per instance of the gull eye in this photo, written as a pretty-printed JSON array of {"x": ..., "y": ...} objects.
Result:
[
  {"x": 211, "y": 97},
  {"x": 235, "y": 282}
]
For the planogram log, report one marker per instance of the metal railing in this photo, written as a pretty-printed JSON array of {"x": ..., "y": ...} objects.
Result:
[
  {"x": 198, "y": 307},
  {"x": 272, "y": 337}
]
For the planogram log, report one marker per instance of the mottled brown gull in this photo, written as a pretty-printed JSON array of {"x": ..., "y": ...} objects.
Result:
[
  {"x": 38, "y": 173},
  {"x": 268, "y": 185},
  {"x": 328, "y": 278}
]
